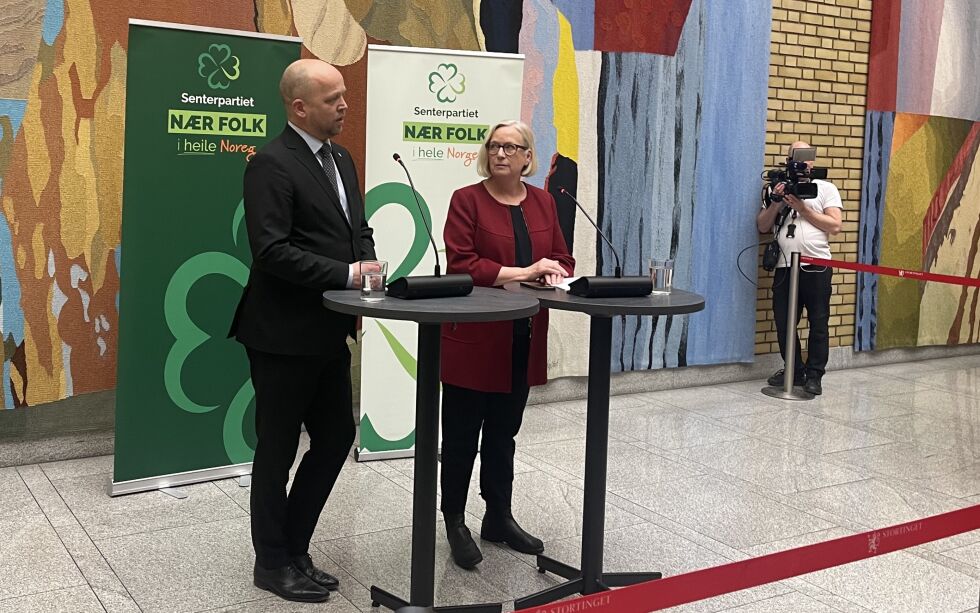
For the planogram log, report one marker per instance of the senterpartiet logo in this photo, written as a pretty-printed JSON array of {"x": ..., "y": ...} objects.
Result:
[
  {"x": 447, "y": 83},
  {"x": 218, "y": 66}
]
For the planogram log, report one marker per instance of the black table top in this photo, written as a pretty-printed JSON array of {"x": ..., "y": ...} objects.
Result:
[
  {"x": 677, "y": 302},
  {"x": 483, "y": 304}
]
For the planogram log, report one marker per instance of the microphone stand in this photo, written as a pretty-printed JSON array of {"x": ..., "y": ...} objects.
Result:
[
  {"x": 616, "y": 286},
  {"x": 435, "y": 286}
]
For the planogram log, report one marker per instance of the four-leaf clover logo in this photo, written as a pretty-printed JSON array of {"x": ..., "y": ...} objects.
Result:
[
  {"x": 218, "y": 66},
  {"x": 447, "y": 82}
]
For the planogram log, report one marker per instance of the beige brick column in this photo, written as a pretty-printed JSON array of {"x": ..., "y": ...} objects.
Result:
[{"x": 818, "y": 74}]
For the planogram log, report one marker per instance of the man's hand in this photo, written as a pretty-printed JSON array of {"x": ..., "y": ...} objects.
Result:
[
  {"x": 789, "y": 199},
  {"x": 795, "y": 203},
  {"x": 766, "y": 217},
  {"x": 829, "y": 221},
  {"x": 361, "y": 268},
  {"x": 781, "y": 190}
]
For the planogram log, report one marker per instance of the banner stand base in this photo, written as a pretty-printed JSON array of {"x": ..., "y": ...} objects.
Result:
[
  {"x": 163, "y": 482},
  {"x": 372, "y": 456}
]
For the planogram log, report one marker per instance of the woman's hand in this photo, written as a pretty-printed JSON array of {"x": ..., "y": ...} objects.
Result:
[
  {"x": 553, "y": 279},
  {"x": 544, "y": 268}
]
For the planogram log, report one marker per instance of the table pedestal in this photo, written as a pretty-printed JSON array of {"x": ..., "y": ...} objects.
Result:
[
  {"x": 590, "y": 579},
  {"x": 424, "y": 493}
]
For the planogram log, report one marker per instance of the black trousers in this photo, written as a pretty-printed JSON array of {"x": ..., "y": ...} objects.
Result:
[
  {"x": 465, "y": 412},
  {"x": 290, "y": 391},
  {"x": 815, "y": 289}
]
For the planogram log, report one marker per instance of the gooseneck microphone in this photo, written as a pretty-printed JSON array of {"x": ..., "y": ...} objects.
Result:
[
  {"x": 438, "y": 285},
  {"x": 619, "y": 270},
  {"x": 607, "y": 287},
  {"x": 435, "y": 250}
]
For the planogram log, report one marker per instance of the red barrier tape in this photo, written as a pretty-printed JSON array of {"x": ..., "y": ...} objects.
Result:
[
  {"x": 918, "y": 275},
  {"x": 711, "y": 582}
]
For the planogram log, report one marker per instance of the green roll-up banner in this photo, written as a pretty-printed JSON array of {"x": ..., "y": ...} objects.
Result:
[{"x": 199, "y": 103}]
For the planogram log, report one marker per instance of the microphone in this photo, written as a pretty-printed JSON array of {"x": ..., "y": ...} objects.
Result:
[
  {"x": 607, "y": 287},
  {"x": 435, "y": 250},
  {"x": 438, "y": 285},
  {"x": 619, "y": 271}
]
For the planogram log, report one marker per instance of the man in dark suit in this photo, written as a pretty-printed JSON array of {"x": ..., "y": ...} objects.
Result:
[{"x": 306, "y": 229}]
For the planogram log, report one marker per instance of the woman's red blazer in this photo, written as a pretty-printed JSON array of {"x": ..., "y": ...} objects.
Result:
[{"x": 479, "y": 237}]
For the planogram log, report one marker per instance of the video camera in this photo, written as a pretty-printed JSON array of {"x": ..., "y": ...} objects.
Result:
[{"x": 796, "y": 176}]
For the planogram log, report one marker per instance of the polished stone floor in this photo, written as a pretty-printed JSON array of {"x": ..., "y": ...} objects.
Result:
[{"x": 697, "y": 477}]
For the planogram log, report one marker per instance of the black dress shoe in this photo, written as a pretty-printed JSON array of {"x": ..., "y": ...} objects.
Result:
[
  {"x": 777, "y": 378},
  {"x": 500, "y": 527},
  {"x": 289, "y": 583},
  {"x": 465, "y": 552},
  {"x": 813, "y": 386},
  {"x": 305, "y": 565}
]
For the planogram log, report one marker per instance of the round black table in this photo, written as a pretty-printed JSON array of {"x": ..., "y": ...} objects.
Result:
[
  {"x": 590, "y": 578},
  {"x": 483, "y": 304}
]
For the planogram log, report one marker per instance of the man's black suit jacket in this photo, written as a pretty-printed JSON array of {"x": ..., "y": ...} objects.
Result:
[{"x": 302, "y": 244}]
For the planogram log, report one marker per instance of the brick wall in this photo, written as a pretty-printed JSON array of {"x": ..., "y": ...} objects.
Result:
[{"x": 818, "y": 71}]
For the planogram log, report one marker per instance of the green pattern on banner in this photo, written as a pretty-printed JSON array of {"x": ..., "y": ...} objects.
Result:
[
  {"x": 187, "y": 336},
  {"x": 239, "y": 450},
  {"x": 199, "y": 103},
  {"x": 403, "y": 196},
  {"x": 372, "y": 441},
  {"x": 236, "y": 222},
  {"x": 406, "y": 359}
]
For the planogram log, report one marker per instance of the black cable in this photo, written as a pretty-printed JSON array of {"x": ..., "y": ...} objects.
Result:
[
  {"x": 785, "y": 261},
  {"x": 738, "y": 262}
]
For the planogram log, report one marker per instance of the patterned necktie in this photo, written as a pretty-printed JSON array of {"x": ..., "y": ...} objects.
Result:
[{"x": 329, "y": 167}]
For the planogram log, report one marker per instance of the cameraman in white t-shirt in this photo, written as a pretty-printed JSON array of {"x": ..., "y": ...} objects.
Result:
[{"x": 807, "y": 226}]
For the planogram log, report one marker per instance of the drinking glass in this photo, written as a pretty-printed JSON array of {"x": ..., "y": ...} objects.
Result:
[
  {"x": 662, "y": 275},
  {"x": 374, "y": 280}
]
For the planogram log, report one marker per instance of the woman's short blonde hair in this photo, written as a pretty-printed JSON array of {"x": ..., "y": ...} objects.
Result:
[{"x": 483, "y": 158}]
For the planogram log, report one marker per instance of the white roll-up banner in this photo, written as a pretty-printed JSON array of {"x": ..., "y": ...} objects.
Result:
[{"x": 433, "y": 107}]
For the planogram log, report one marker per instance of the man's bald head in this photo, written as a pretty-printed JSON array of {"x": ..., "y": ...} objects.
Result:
[
  {"x": 800, "y": 144},
  {"x": 313, "y": 93},
  {"x": 300, "y": 78}
]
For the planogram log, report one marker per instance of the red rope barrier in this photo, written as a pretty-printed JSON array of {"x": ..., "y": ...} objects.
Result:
[
  {"x": 744, "y": 574},
  {"x": 918, "y": 275}
]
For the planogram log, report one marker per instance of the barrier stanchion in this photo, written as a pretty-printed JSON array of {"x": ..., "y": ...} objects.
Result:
[
  {"x": 788, "y": 392},
  {"x": 789, "y": 358}
]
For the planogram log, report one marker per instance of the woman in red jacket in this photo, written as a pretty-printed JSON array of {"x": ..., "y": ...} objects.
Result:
[{"x": 499, "y": 230}]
